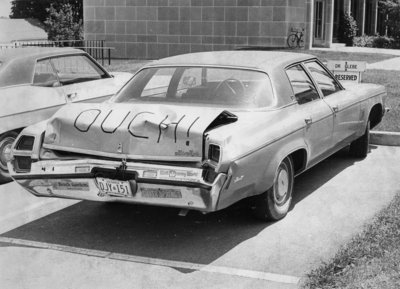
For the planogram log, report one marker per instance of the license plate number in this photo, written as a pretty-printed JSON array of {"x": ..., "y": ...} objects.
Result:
[{"x": 114, "y": 187}]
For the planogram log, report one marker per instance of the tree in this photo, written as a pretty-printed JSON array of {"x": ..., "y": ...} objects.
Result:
[
  {"x": 391, "y": 8},
  {"x": 38, "y": 8},
  {"x": 347, "y": 29},
  {"x": 61, "y": 25}
]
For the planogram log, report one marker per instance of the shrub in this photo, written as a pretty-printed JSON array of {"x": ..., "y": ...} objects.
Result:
[
  {"x": 383, "y": 42},
  {"x": 348, "y": 29},
  {"x": 363, "y": 41},
  {"x": 374, "y": 41}
]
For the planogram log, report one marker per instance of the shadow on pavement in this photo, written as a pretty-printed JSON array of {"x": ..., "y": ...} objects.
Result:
[{"x": 158, "y": 232}]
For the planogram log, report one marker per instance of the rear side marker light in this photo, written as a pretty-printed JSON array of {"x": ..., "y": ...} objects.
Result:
[{"x": 214, "y": 153}]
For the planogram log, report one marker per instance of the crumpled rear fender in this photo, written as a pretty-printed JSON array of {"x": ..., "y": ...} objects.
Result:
[{"x": 254, "y": 173}]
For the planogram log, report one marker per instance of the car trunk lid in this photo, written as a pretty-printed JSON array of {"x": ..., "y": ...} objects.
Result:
[{"x": 134, "y": 131}]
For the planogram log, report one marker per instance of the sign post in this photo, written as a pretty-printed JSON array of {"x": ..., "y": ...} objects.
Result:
[{"x": 347, "y": 70}]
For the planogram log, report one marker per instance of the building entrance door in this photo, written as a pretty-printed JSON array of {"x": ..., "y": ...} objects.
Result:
[{"x": 319, "y": 22}]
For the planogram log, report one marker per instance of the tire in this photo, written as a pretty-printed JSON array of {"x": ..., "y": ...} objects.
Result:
[
  {"x": 6, "y": 141},
  {"x": 292, "y": 41},
  {"x": 274, "y": 204},
  {"x": 360, "y": 147}
]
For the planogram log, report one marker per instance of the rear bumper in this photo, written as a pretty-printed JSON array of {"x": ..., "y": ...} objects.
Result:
[{"x": 180, "y": 187}]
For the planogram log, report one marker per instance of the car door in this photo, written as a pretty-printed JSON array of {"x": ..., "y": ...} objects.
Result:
[
  {"x": 83, "y": 80},
  {"x": 23, "y": 105},
  {"x": 317, "y": 115},
  {"x": 346, "y": 110}
]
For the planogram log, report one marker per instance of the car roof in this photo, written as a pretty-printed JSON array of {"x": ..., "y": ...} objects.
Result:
[
  {"x": 260, "y": 60},
  {"x": 17, "y": 65}
]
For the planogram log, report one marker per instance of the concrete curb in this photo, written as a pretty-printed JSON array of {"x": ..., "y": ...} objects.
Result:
[{"x": 386, "y": 138}]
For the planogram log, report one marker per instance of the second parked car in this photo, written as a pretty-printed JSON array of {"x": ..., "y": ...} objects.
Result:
[{"x": 35, "y": 82}]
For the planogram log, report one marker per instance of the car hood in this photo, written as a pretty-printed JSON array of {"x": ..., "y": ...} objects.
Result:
[{"x": 135, "y": 131}]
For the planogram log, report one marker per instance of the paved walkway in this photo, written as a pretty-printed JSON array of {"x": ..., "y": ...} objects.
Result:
[
  {"x": 388, "y": 64},
  {"x": 360, "y": 50}
]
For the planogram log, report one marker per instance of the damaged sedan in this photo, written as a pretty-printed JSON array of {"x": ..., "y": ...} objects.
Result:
[{"x": 200, "y": 132}]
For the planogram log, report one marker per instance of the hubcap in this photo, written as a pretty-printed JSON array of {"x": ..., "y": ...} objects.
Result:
[
  {"x": 281, "y": 186},
  {"x": 5, "y": 152}
]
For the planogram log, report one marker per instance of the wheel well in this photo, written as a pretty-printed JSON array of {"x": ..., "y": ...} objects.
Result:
[
  {"x": 299, "y": 159},
  {"x": 17, "y": 130},
  {"x": 375, "y": 116}
]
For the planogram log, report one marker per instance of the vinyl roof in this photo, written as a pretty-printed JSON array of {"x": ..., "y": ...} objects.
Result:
[
  {"x": 262, "y": 60},
  {"x": 17, "y": 64},
  {"x": 33, "y": 52}
]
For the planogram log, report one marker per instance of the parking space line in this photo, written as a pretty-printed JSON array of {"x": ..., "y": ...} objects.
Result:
[{"x": 279, "y": 278}]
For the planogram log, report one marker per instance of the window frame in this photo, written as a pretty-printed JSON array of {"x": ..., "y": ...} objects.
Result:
[
  {"x": 90, "y": 59},
  {"x": 52, "y": 68},
  {"x": 301, "y": 64},
  {"x": 327, "y": 71}
]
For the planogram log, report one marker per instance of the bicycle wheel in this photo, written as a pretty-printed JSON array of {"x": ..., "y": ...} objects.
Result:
[
  {"x": 301, "y": 42},
  {"x": 292, "y": 40}
]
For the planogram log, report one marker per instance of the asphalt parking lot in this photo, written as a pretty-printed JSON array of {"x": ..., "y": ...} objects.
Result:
[{"x": 47, "y": 243}]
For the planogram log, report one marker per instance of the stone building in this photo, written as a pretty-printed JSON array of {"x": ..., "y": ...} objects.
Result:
[{"x": 149, "y": 29}]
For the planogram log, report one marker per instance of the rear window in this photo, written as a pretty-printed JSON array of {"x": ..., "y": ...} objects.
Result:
[{"x": 200, "y": 85}]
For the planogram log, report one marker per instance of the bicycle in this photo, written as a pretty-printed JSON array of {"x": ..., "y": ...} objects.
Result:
[{"x": 295, "y": 40}]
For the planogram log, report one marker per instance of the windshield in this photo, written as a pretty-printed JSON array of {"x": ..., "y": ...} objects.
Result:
[{"x": 199, "y": 85}]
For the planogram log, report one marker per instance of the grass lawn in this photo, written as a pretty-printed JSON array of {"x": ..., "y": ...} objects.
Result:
[
  {"x": 391, "y": 79},
  {"x": 338, "y": 55},
  {"x": 130, "y": 65},
  {"x": 370, "y": 260}
]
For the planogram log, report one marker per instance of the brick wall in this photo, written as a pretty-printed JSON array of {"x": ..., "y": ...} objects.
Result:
[{"x": 151, "y": 29}]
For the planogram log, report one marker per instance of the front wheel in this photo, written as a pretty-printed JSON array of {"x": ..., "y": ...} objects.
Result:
[
  {"x": 6, "y": 141},
  {"x": 274, "y": 204},
  {"x": 360, "y": 147}
]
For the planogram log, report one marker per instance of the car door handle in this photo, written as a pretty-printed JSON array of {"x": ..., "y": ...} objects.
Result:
[
  {"x": 308, "y": 120},
  {"x": 335, "y": 109}
]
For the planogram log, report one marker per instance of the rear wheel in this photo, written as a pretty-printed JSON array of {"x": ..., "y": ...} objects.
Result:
[
  {"x": 274, "y": 204},
  {"x": 6, "y": 141},
  {"x": 360, "y": 147}
]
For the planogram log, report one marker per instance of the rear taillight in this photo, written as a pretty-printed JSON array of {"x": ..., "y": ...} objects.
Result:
[
  {"x": 25, "y": 143},
  {"x": 214, "y": 153},
  {"x": 22, "y": 163},
  {"x": 209, "y": 174}
]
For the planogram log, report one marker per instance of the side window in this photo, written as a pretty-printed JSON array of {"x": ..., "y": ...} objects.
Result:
[
  {"x": 44, "y": 74},
  {"x": 76, "y": 68},
  {"x": 326, "y": 83},
  {"x": 158, "y": 84},
  {"x": 303, "y": 88}
]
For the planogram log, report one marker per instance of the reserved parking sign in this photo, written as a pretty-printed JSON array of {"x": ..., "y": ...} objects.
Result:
[{"x": 347, "y": 70}]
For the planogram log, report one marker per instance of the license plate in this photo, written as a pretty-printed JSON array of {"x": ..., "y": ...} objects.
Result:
[
  {"x": 114, "y": 187},
  {"x": 161, "y": 193}
]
